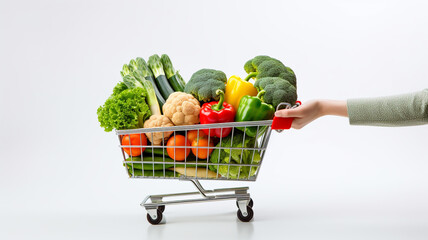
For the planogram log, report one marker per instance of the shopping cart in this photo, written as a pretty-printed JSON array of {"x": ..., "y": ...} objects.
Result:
[{"x": 237, "y": 157}]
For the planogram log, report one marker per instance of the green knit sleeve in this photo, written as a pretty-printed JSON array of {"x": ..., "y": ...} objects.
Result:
[{"x": 400, "y": 110}]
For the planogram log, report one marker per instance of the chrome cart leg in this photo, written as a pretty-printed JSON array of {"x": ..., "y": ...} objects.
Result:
[
  {"x": 199, "y": 187},
  {"x": 156, "y": 205}
]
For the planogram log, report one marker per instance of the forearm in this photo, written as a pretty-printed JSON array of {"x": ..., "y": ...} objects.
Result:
[{"x": 333, "y": 107}]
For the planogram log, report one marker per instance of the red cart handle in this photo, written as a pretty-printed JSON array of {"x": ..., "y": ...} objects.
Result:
[{"x": 280, "y": 123}]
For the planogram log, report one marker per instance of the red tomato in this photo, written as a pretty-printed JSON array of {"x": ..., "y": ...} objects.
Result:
[
  {"x": 136, "y": 140},
  {"x": 193, "y": 134},
  {"x": 202, "y": 153},
  {"x": 179, "y": 154}
]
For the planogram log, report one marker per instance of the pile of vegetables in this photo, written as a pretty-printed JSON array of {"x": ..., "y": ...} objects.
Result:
[{"x": 153, "y": 94}]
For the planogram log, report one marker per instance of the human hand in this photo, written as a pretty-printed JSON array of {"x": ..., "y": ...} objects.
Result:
[{"x": 311, "y": 110}]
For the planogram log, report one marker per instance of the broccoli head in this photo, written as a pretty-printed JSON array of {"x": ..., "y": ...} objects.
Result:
[
  {"x": 276, "y": 90},
  {"x": 204, "y": 83},
  {"x": 265, "y": 66},
  {"x": 260, "y": 59},
  {"x": 248, "y": 67}
]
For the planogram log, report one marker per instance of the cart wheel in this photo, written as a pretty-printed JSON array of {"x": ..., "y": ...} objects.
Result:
[
  {"x": 250, "y": 215},
  {"x": 158, "y": 218},
  {"x": 162, "y": 208},
  {"x": 250, "y": 203}
]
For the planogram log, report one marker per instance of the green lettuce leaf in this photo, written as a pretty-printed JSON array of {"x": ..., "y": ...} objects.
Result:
[
  {"x": 240, "y": 140},
  {"x": 124, "y": 109}
]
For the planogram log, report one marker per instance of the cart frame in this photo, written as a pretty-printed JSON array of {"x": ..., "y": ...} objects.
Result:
[{"x": 156, "y": 205}]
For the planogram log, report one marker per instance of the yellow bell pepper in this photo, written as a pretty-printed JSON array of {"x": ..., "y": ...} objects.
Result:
[{"x": 236, "y": 88}]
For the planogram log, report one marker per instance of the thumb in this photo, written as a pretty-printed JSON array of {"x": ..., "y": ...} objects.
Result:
[{"x": 287, "y": 113}]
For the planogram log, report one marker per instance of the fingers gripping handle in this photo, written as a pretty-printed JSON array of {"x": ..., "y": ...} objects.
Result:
[{"x": 280, "y": 123}]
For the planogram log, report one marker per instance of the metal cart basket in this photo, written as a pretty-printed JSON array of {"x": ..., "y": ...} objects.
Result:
[{"x": 236, "y": 157}]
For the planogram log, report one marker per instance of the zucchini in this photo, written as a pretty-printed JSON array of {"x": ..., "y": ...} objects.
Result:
[
  {"x": 174, "y": 81},
  {"x": 180, "y": 79},
  {"x": 163, "y": 86},
  {"x": 175, "y": 84},
  {"x": 162, "y": 83},
  {"x": 142, "y": 69}
]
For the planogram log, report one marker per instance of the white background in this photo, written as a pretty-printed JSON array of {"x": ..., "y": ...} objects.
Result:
[{"x": 61, "y": 176}]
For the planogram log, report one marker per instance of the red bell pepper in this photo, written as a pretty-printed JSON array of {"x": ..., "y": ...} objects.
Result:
[{"x": 217, "y": 112}]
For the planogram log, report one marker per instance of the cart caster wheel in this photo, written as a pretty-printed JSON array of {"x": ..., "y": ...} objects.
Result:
[
  {"x": 250, "y": 215},
  {"x": 250, "y": 203},
  {"x": 158, "y": 218},
  {"x": 161, "y": 208}
]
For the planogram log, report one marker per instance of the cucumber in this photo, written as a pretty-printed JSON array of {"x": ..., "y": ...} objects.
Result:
[
  {"x": 159, "y": 96},
  {"x": 151, "y": 173},
  {"x": 155, "y": 64},
  {"x": 156, "y": 151},
  {"x": 169, "y": 162},
  {"x": 148, "y": 162},
  {"x": 176, "y": 83},
  {"x": 163, "y": 85},
  {"x": 180, "y": 79}
]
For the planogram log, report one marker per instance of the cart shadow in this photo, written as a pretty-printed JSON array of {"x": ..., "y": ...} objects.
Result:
[
  {"x": 206, "y": 218},
  {"x": 204, "y": 223}
]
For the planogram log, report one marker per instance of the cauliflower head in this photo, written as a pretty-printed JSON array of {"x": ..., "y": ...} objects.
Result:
[
  {"x": 157, "y": 138},
  {"x": 182, "y": 109}
]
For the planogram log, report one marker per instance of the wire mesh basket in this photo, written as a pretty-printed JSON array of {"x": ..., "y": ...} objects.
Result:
[{"x": 236, "y": 156}]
